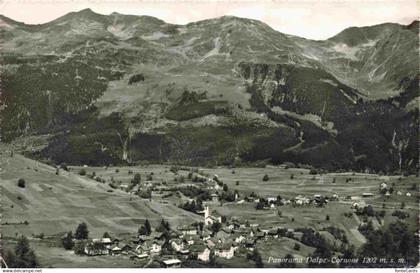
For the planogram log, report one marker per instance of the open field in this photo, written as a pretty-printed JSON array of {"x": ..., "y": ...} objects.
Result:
[
  {"x": 53, "y": 203},
  {"x": 57, "y": 256}
]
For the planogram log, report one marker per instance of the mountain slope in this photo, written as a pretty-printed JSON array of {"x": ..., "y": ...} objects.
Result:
[{"x": 120, "y": 88}]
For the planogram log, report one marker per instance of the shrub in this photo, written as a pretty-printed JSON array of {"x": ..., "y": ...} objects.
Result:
[
  {"x": 82, "y": 172},
  {"x": 67, "y": 241},
  {"x": 145, "y": 194},
  {"x": 136, "y": 78},
  {"x": 313, "y": 171},
  {"x": 296, "y": 247},
  {"x": 265, "y": 177},
  {"x": 259, "y": 206},
  {"x": 401, "y": 214},
  {"x": 21, "y": 183}
]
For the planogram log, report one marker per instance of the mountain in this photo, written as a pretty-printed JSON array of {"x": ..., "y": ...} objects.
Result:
[{"x": 101, "y": 89}]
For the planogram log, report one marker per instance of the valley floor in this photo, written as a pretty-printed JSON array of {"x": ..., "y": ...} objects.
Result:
[{"x": 54, "y": 201}]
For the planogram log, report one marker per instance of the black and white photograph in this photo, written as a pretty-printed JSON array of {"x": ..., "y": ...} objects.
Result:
[{"x": 209, "y": 134}]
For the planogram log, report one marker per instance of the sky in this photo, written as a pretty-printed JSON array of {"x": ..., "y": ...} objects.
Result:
[{"x": 313, "y": 19}]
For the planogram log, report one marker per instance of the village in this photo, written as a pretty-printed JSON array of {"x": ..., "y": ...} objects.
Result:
[
  {"x": 217, "y": 235},
  {"x": 176, "y": 216}
]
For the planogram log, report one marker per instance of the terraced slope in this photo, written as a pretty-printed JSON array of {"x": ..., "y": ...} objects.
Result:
[{"x": 52, "y": 203}]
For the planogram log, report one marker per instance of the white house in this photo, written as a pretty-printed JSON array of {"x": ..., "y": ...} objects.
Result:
[
  {"x": 203, "y": 253},
  {"x": 383, "y": 186},
  {"x": 156, "y": 247},
  {"x": 271, "y": 199},
  {"x": 226, "y": 251},
  {"x": 240, "y": 239},
  {"x": 178, "y": 245}
]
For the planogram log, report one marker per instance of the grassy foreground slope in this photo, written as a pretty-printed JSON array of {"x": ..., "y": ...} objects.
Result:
[{"x": 53, "y": 203}]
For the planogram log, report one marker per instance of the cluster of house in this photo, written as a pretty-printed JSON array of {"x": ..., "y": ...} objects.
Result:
[
  {"x": 235, "y": 237},
  {"x": 383, "y": 188}
]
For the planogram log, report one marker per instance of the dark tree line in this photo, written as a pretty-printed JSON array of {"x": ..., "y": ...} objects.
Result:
[{"x": 22, "y": 256}]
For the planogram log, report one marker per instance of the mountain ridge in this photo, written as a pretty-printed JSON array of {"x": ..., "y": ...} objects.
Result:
[
  {"x": 243, "y": 84},
  {"x": 90, "y": 12}
]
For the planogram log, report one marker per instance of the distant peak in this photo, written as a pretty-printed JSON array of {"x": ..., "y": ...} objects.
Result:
[
  {"x": 414, "y": 26},
  {"x": 88, "y": 10}
]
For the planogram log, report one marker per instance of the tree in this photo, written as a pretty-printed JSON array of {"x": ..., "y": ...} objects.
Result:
[
  {"x": 164, "y": 226},
  {"x": 9, "y": 258},
  {"x": 137, "y": 179},
  {"x": 146, "y": 229},
  {"x": 259, "y": 206},
  {"x": 82, "y": 172},
  {"x": 82, "y": 232},
  {"x": 24, "y": 255},
  {"x": 147, "y": 226},
  {"x": 292, "y": 176},
  {"x": 296, "y": 247},
  {"x": 21, "y": 183},
  {"x": 225, "y": 187},
  {"x": 68, "y": 241},
  {"x": 265, "y": 177},
  {"x": 215, "y": 227},
  {"x": 106, "y": 235}
]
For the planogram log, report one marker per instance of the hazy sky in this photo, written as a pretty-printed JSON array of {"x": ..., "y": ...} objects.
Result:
[{"x": 309, "y": 18}]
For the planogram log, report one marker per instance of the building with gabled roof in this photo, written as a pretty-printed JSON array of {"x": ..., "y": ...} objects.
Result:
[
  {"x": 225, "y": 250},
  {"x": 187, "y": 230},
  {"x": 202, "y": 251}
]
